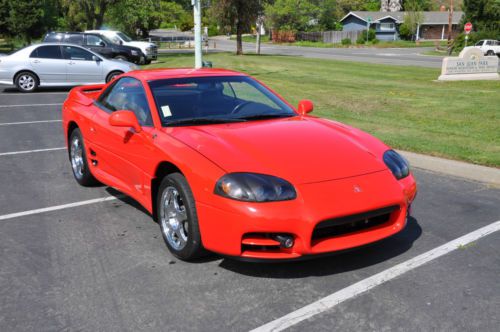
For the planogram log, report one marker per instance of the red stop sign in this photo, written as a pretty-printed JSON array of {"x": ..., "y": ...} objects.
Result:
[{"x": 468, "y": 27}]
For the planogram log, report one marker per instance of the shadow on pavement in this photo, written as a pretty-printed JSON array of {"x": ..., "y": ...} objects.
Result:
[
  {"x": 39, "y": 90},
  {"x": 337, "y": 263}
]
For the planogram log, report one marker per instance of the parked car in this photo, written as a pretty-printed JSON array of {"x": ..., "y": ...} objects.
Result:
[
  {"x": 99, "y": 44},
  {"x": 150, "y": 50},
  {"x": 489, "y": 47},
  {"x": 227, "y": 165},
  {"x": 54, "y": 64}
]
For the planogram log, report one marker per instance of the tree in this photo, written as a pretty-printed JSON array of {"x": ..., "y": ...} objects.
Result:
[
  {"x": 484, "y": 14},
  {"x": 293, "y": 15},
  {"x": 241, "y": 14},
  {"x": 412, "y": 19},
  {"x": 132, "y": 16},
  {"x": 174, "y": 14},
  {"x": 25, "y": 18},
  {"x": 4, "y": 15},
  {"x": 87, "y": 14}
]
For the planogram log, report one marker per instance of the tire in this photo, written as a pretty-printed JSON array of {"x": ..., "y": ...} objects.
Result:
[
  {"x": 180, "y": 231},
  {"x": 490, "y": 53},
  {"x": 147, "y": 62},
  {"x": 26, "y": 81},
  {"x": 121, "y": 58},
  {"x": 112, "y": 75},
  {"x": 78, "y": 159}
]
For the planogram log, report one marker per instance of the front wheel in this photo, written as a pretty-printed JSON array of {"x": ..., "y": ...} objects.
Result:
[
  {"x": 78, "y": 159},
  {"x": 490, "y": 53},
  {"x": 178, "y": 218}
]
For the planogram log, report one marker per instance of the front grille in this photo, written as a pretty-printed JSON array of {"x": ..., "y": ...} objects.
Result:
[{"x": 353, "y": 223}]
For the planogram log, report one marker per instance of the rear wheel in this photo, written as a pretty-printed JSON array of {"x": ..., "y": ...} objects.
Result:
[
  {"x": 121, "y": 57},
  {"x": 490, "y": 53},
  {"x": 178, "y": 218},
  {"x": 147, "y": 62},
  {"x": 78, "y": 159},
  {"x": 26, "y": 81},
  {"x": 111, "y": 76}
]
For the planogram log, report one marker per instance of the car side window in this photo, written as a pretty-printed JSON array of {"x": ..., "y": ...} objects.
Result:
[
  {"x": 47, "y": 52},
  {"x": 76, "y": 53},
  {"x": 93, "y": 40},
  {"x": 74, "y": 39},
  {"x": 128, "y": 94}
]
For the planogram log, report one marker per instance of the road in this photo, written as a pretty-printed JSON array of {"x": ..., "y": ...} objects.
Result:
[
  {"x": 102, "y": 265},
  {"x": 389, "y": 56}
]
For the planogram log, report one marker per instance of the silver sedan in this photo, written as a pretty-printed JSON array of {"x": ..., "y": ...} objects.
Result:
[{"x": 58, "y": 65}]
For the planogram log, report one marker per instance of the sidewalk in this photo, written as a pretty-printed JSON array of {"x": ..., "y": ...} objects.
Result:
[{"x": 461, "y": 169}]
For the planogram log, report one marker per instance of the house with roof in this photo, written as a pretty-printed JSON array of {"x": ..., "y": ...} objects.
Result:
[{"x": 386, "y": 24}]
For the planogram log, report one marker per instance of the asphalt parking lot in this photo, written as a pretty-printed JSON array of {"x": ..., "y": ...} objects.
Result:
[{"x": 95, "y": 265}]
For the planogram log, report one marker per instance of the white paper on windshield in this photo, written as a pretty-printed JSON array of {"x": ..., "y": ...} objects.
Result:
[{"x": 166, "y": 111}]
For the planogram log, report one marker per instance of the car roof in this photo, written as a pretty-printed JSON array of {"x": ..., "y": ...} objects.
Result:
[{"x": 166, "y": 73}]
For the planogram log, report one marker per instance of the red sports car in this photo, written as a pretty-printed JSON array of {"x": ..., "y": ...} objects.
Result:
[{"x": 225, "y": 164}]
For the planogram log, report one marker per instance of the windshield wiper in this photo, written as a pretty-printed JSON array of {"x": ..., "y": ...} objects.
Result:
[
  {"x": 266, "y": 116},
  {"x": 197, "y": 121}
]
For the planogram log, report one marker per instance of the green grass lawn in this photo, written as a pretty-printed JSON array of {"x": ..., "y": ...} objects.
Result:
[
  {"x": 403, "y": 106},
  {"x": 379, "y": 44}
]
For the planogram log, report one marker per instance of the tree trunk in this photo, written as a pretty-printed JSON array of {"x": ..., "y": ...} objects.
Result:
[{"x": 239, "y": 43}]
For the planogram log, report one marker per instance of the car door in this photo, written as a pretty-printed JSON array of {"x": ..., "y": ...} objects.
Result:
[
  {"x": 81, "y": 66},
  {"x": 121, "y": 152},
  {"x": 48, "y": 63},
  {"x": 98, "y": 45}
]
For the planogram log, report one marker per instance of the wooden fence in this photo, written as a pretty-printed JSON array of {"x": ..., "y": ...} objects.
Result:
[{"x": 328, "y": 36}]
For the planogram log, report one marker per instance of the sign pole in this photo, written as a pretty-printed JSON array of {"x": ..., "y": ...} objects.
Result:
[{"x": 198, "y": 62}]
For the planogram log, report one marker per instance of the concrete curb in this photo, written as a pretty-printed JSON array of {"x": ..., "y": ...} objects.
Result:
[{"x": 467, "y": 171}]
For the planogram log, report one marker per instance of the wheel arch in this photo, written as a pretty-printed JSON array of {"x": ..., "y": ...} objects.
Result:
[
  {"x": 163, "y": 169},
  {"x": 25, "y": 71}
]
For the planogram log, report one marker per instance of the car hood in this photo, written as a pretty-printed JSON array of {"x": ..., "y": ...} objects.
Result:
[
  {"x": 139, "y": 44},
  {"x": 300, "y": 150}
]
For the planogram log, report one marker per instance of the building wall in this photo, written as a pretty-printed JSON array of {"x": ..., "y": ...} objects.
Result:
[
  {"x": 436, "y": 31},
  {"x": 353, "y": 23}
]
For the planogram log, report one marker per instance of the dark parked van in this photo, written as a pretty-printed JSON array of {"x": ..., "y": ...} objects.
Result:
[{"x": 99, "y": 44}]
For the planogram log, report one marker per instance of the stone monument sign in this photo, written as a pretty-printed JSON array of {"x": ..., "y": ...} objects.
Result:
[{"x": 471, "y": 64}]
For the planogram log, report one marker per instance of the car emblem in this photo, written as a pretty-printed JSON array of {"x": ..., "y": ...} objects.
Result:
[{"x": 357, "y": 189}]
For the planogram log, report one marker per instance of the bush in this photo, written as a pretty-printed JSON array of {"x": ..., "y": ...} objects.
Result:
[
  {"x": 346, "y": 41},
  {"x": 405, "y": 32},
  {"x": 362, "y": 37}
]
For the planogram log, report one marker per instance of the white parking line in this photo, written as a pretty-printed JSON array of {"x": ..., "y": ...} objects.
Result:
[
  {"x": 30, "y": 105},
  {"x": 365, "y": 285},
  {"x": 58, "y": 207},
  {"x": 28, "y": 122},
  {"x": 30, "y": 151}
]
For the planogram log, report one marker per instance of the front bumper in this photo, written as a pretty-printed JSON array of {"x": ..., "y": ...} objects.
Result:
[
  {"x": 247, "y": 230},
  {"x": 151, "y": 53}
]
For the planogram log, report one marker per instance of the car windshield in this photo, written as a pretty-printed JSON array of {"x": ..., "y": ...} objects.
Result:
[
  {"x": 209, "y": 100},
  {"x": 124, "y": 37}
]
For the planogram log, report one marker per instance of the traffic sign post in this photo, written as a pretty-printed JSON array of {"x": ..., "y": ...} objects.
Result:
[{"x": 467, "y": 29}]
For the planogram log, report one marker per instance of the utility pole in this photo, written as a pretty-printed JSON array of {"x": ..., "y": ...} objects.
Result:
[
  {"x": 198, "y": 61},
  {"x": 450, "y": 26}
]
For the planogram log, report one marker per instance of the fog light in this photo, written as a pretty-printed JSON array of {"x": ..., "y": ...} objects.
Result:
[{"x": 286, "y": 241}]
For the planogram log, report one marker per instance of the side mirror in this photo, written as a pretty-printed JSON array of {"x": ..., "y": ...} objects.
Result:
[
  {"x": 305, "y": 106},
  {"x": 102, "y": 44},
  {"x": 120, "y": 42},
  {"x": 96, "y": 58},
  {"x": 125, "y": 119}
]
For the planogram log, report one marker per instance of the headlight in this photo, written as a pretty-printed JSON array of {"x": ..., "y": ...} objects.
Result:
[
  {"x": 134, "y": 52},
  {"x": 397, "y": 164},
  {"x": 251, "y": 187}
]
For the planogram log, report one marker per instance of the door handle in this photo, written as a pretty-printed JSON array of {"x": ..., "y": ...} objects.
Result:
[
  {"x": 71, "y": 63},
  {"x": 36, "y": 61}
]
